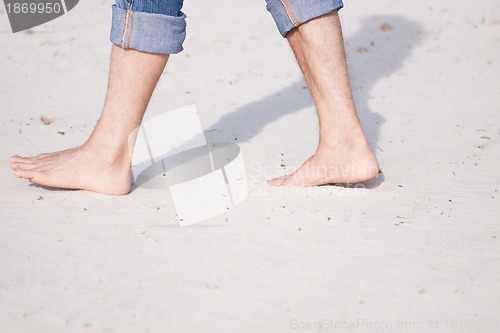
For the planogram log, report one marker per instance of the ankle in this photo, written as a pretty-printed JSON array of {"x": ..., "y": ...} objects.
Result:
[
  {"x": 110, "y": 153},
  {"x": 350, "y": 139}
]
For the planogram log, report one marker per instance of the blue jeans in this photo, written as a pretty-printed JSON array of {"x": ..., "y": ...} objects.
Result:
[{"x": 159, "y": 26}]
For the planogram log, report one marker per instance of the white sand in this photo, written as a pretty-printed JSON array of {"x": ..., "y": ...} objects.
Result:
[{"x": 422, "y": 248}]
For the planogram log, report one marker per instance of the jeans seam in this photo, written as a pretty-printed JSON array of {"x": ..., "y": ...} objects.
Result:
[
  {"x": 130, "y": 29},
  {"x": 125, "y": 28},
  {"x": 290, "y": 12}
]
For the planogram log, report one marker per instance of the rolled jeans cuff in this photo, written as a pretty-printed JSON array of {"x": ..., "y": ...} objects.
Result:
[
  {"x": 289, "y": 14},
  {"x": 148, "y": 32}
]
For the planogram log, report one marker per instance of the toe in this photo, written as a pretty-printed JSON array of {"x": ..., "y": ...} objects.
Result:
[
  {"x": 18, "y": 162},
  {"x": 23, "y": 166},
  {"x": 15, "y": 165},
  {"x": 290, "y": 181},
  {"x": 26, "y": 174},
  {"x": 16, "y": 159},
  {"x": 276, "y": 181}
]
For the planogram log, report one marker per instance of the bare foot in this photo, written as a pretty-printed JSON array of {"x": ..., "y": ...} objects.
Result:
[
  {"x": 333, "y": 165},
  {"x": 84, "y": 167}
]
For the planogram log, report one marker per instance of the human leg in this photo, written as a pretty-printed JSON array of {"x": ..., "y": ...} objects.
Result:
[
  {"x": 343, "y": 154},
  {"x": 102, "y": 163}
]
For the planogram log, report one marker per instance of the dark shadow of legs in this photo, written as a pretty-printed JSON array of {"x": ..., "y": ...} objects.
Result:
[
  {"x": 373, "y": 54},
  {"x": 249, "y": 120}
]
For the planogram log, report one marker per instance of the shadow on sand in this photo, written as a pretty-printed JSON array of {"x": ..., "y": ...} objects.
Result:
[{"x": 372, "y": 54}]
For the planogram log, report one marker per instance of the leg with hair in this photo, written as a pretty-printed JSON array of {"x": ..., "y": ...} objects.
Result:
[
  {"x": 102, "y": 163},
  {"x": 343, "y": 154}
]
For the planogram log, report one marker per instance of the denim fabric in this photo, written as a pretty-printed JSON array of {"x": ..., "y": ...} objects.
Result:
[
  {"x": 289, "y": 14},
  {"x": 153, "y": 26},
  {"x": 159, "y": 26},
  {"x": 165, "y": 7}
]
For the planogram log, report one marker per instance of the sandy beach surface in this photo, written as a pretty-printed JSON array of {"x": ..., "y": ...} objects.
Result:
[{"x": 417, "y": 250}]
